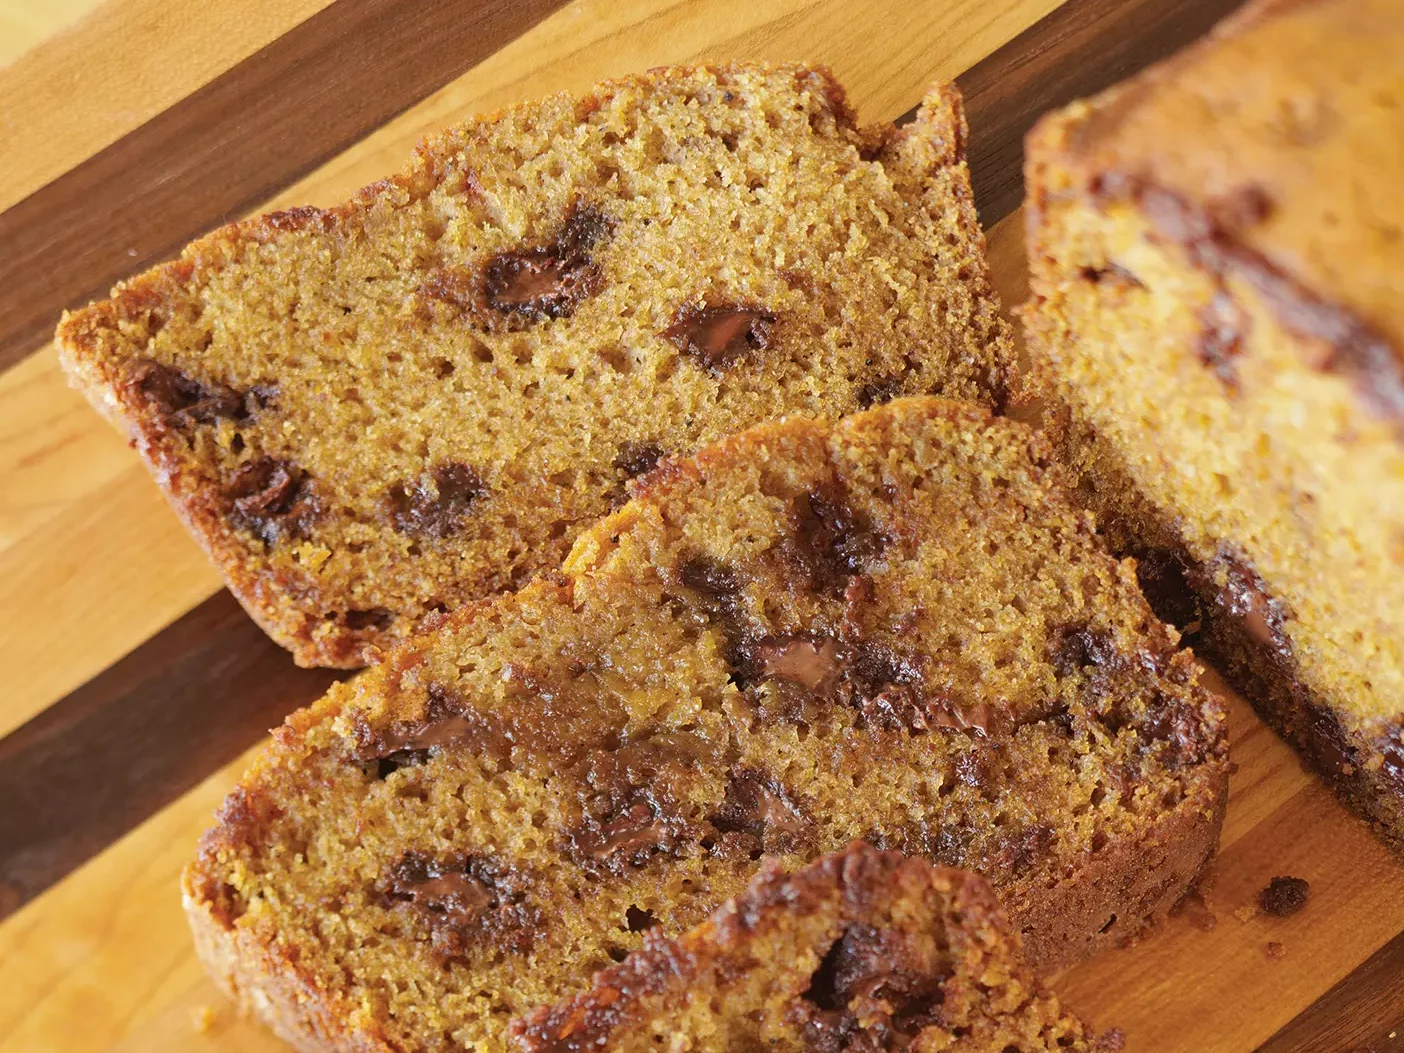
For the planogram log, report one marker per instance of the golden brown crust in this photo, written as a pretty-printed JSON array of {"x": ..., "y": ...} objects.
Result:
[
  {"x": 268, "y": 987},
  {"x": 761, "y": 968},
  {"x": 374, "y": 399}
]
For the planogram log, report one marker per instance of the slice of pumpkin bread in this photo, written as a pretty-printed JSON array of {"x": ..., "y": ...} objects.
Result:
[
  {"x": 375, "y": 412},
  {"x": 1217, "y": 268},
  {"x": 896, "y": 628},
  {"x": 861, "y": 950}
]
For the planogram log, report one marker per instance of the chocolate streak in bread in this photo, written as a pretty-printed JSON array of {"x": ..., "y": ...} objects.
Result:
[
  {"x": 895, "y": 628},
  {"x": 1229, "y": 615},
  {"x": 1237, "y": 409}
]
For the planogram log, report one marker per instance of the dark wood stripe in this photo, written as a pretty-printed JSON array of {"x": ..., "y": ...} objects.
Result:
[
  {"x": 1363, "y": 1013},
  {"x": 131, "y": 740},
  {"x": 233, "y": 143},
  {"x": 1080, "y": 48},
  {"x": 196, "y": 695}
]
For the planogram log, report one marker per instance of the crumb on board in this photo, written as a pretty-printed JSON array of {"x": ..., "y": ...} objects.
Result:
[
  {"x": 1274, "y": 950},
  {"x": 1245, "y": 914},
  {"x": 1194, "y": 908},
  {"x": 1112, "y": 1041},
  {"x": 202, "y": 1018},
  {"x": 1284, "y": 896}
]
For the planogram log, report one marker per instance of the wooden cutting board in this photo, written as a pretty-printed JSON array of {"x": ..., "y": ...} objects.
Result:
[{"x": 132, "y": 689}]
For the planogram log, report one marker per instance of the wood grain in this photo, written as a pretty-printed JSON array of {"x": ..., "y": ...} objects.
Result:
[
  {"x": 1363, "y": 1013},
  {"x": 135, "y": 738},
  {"x": 106, "y": 952},
  {"x": 1081, "y": 48},
  {"x": 92, "y": 565},
  {"x": 90, "y": 84},
  {"x": 317, "y": 89},
  {"x": 23, "y": 23},
  {"x": 75, "y": 507}
]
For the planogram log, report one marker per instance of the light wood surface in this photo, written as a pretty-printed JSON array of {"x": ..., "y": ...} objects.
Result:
[
  {"x": 76, "y": 85},
  {"x": 93, "y": 565},
  {"x": 24, "y": 24}
]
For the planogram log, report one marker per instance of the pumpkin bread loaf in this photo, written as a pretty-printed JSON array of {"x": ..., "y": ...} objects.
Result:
[
  {"x": 1218, "y": 308},
  {"x": 861, "y": 950},
  {"x": 896, "y": 628},
  {"x": 376, "y": 412}
]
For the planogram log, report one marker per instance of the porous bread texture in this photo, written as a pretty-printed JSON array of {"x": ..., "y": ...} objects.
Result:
[
  {"x": 896, "y": 628},
  {"x": 859, "y": 950},
  {"x": 1217, "y": 280},
  {"x": 377, "y": 412}
]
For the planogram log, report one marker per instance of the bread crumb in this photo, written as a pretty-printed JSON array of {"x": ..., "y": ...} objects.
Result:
[
  {"x": 1275, "y": 950},
  {"x": 1195, "y": 909},
  {"x": 1245, "y": 914},
  {"x": 1284, "y": 896},
  {"x": 202, "y": 1018},
  {"x": 1112, "y": 1042}
]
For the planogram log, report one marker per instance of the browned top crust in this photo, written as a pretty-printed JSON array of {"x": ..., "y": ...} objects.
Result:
[
  {"x": 374, "y": 413},
  {"x": 1276, "y": 147},
  {"x": 861, "y": 950}
]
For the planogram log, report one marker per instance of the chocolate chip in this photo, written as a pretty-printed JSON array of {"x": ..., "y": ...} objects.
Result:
[
  {"x": 816, "y": 666},
  {"x": 1223, "y": 329},
  {"x": 1244, "y": 596},
  {"x": 881, "y": 977},
  {"x": 549, "y": 281},
  {"x": 636, "y": 458},
  {"x": 184, "y": 401},
  {"x": 1164, "y": 580},
  {"x": 950, "y": 844},
  {"x": 1284, "y": 896},
  {"x": 629, "y": 804},
  {"x": 830, "y": 541},
  {"x": 633, "y": 834},
  {"x": 1079, "y": 647},
  {"x": 1391, "y": 747},
  {"x": 1179, "y": 726},
  {"x": 1112, "y": 274},
  {"x": 973, "y": 768},
  {"x": 758, "y": 808},
  {"x": 434, "y": 506},
  {"x": 717, "y": 585},
  {"x": 274, "y": 500},
  {"x": 1246, "y": 206},
  {"x": 464, "y": 902},
  {"x": 448, "y": 723},
  {"x": 370, "y": 618},
  {"x": 1024, "y": 850},
  {"x": 720, "y": 335},
  {"x": 886, "y": 688},
  {"x": 884, "y": 389}
]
